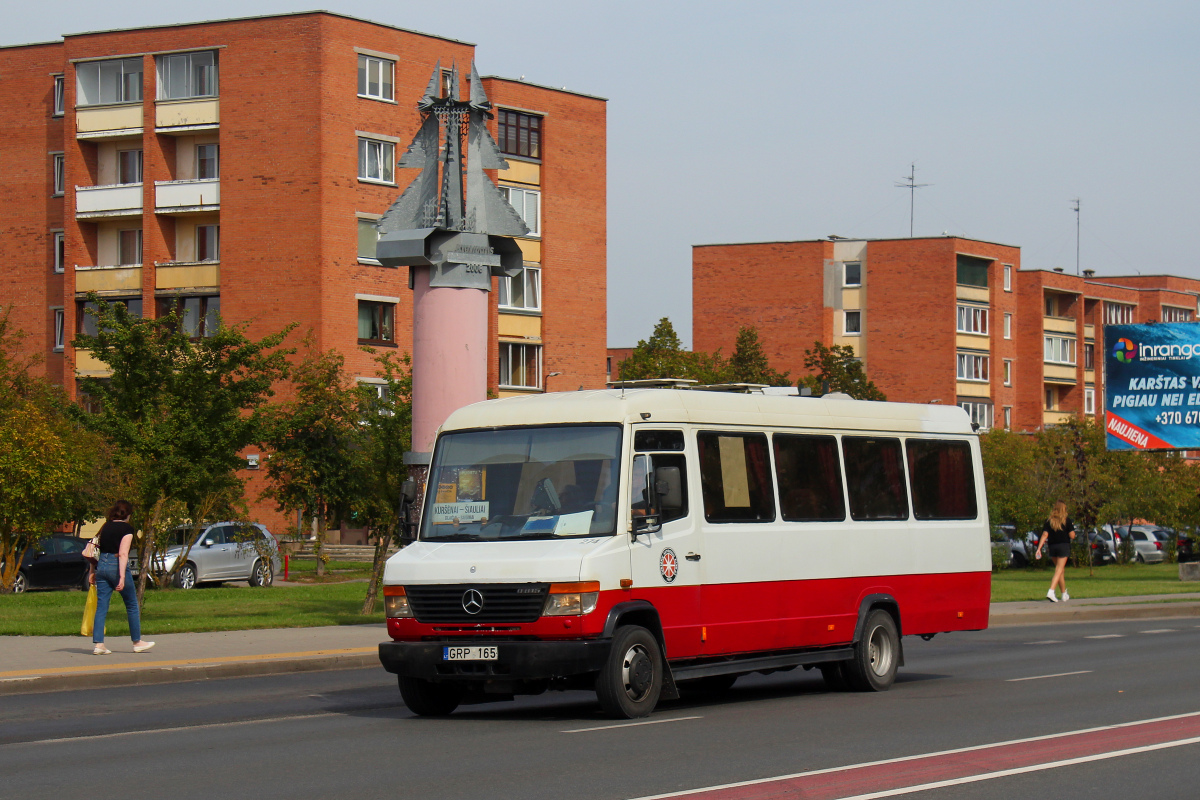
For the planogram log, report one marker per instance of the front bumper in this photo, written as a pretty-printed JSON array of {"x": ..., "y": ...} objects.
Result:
[{"x": 518, "y": 660}]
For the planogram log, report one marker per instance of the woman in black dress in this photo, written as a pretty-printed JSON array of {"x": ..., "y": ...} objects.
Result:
[{"x": 1057, "y": 532}]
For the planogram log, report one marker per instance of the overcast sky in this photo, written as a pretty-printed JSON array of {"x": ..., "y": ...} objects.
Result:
[{"x": 764, "y": 121}]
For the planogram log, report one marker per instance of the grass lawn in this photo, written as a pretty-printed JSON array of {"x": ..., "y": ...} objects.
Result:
[
  {"x": 1114, "y": 580},
  {"x": 304, "y": 570},
  {"x": 222, "y": 608}
]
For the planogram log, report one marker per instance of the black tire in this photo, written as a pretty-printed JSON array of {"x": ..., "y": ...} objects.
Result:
[
  {"x": 186, "y": 577},
  {"x": 1138, "y": 558},
  {"x": 631, "y": 679},
  {"x": 429, "y": 699},
  {"x": 261, "y": 574},
  {"x": 1019, "y": 560},
  {"x": 834, "y": 673},
  {"x": 711, "y": 686},
  {"x": 20, "y": 583},
  {"x": 876, "y": 654}
]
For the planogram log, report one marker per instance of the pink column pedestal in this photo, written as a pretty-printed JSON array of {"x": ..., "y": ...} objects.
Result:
[{"x": 449, "y": 361}]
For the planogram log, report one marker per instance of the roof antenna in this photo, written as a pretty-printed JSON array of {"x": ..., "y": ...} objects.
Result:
[
  {"x": 910, "y": 182},
  {"x": 1076, "y": 210}
]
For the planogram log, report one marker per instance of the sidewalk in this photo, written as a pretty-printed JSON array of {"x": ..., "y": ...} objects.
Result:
[{"x": 56, "y": 663}]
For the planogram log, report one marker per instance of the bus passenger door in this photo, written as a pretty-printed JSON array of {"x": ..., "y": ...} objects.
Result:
[{"x": 664, "y": 554}]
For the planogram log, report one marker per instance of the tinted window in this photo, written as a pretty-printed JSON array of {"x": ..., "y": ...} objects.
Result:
[
  {"x": 735, "y": 477},
  {"x": 809, "y": 477},
  {"x": 943, "y": 482},
  {"x": 875, "y": 478},
  {"x": 67, "y": 546},
  {"x": 657, "y": 440}
]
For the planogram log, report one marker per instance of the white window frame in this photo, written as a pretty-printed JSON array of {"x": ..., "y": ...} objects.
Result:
[
  {"x": 1007, "y": 325},
  {"x": 1008, "y": 418},
  {"x": 123, "y": 68},
  {"x": 846, "y": 274},
  {"x": 364, "y": 66},
  {"x": 1008, "y": 371},
  {"x": 1176, "y": 314},
  {"x": 528, "y": 205},
  {"x": 140, "y": 166},
  {"x": 982, "y": 414},
  {"x": 1089, "y": 400},
  {"x": 360, "y": 220},
  {"x": 1008, "y": 277},
  {"x": 216, "y": 160},
  {"x": 217, "y": 238},
  {"x": 973, "y": 319},
  {"x": 846, "y": 322},
  {"x": 186, "y": 60},
  {"x": 1117, "y": 313},
  {"x": 140, "y": 244},
  {"x": 385, "y": 159},
  {"x": 505, "y": 374},
  {"x": 58, "y": 241},
  {"x": 973, "y": 367},
  {"x": 59, "y": 161},
  {"x": 1059, "y": 350},
  {"x": 1051, "y": 398},
  {"x": 60, "y": 96},
  {"x": 531, "y": 276},
  {"x": 60, "y": 329}
]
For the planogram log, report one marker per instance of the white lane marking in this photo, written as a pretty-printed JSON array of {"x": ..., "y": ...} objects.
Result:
[
  {"x": 207, "y": 725},
  {"x": 1055, "y": 675},
  {"x": 1048, "y": 641},
  {"x": 1109, "y": 636},
  {"x": 903, "y": 759},
  {"x": 1004, "y": 773},
  {"x": 1160, "y": 630},
  {"x": 629, "y": 724}
]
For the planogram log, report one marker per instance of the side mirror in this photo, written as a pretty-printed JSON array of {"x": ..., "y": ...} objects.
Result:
[
  {"x": 408, "y": 490},
  {"x": 668, "y": 485},
  {"x": 408, "y": 496},
  {"x": 208, "y": 542}
]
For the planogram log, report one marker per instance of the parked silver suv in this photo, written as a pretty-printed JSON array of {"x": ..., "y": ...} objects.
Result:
[{"x": 222, "y": 551}]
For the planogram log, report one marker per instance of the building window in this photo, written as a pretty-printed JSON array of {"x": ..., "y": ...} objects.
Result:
[
  {"x": 1118, "y": 314},
  {"x": 60, "y": 95},
  {"x": 853, "y": 274},
  {"x": 85, "y": 320},
  {"x": 129, "y": 247},
  {"x": 1059, "y": 350},
  {"x": 980, "y": 413},
  {"x": 104, "y": 82},
  {"x": 1008, "y": 418},
  {"x": 1089, "y": 400},
  {"x": 60, "y": 317},
  {"x": 60, "y": 251},
  {"x": 375, "y": 77},
  {"x": 447, "y": 84},
  {"x": 376, "y": 322},
  {"x": 1089, "y": 355},
  {"x": 521, "y": 365},
  {"x": 129, "y": 166},
  {"x": 1007, "y": 325},
  {"x": 208, "y": 164},
  {"x": 519, "y": 134},
  {"x": 368, "y": 240},
  {"x": 1008, "y": 277},
  {"x": 376, "y": 160},
  {"x": 852, "y": 323},
  {"x": 185, "y": 75},
  {"x": 60, "y": 173},
  {"x": 527, "y": 203},
  {"x": 973, "y": 271},
  {"x": 973, "y": 367},
  {"x": 1175, "y": 314},
  {"x": 1008, "y": 372},
  {"x": 523, "y": 291},
  {"x": 972, "y": 319},
  {"x": 199, "y": 317},
  {"x": 208, "y": 242},
  {"x": 1051, "y": 398}
]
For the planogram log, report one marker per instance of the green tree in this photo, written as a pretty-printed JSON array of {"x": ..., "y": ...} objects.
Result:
[
  {"x": 177, "y": 412},
  {"x": 317, "y": 444},
  {"x": 663, "y": 356},
  {"x": 837, "y": 369},
  {"x": 1012, "y": 494},
  {"x": 748, "y": 363},
  {"x": 387, "y": 430}
]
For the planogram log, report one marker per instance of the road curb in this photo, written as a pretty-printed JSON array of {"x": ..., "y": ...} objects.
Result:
[{"x": 1054, "y": 614}]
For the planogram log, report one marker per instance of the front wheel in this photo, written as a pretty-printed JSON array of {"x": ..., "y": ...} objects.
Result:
[
  {"x": 20, "y": 583},
  {"x": 1139, "y": 559},
  {"x": 261, "y": 574},
  {"x": 876, "y": 655},
  {"x": 186, "y": 577},
  {"x": 429, "y": 699},
  {"x": 631, "y": 679}
]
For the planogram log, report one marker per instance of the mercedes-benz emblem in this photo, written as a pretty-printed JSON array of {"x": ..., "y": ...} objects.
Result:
[{"x": 472, "y": 601}]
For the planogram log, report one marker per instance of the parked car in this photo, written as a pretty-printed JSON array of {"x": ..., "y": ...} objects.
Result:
[
  {"x": 1183, "y": 546},
  {"x": 55, "y": 562},
  {"x": 1147, "y": 549},
  {"x": 1020, "y": 549},
  {"x": 1106, "y": 543},
  {"x": 222, "y": 551}
]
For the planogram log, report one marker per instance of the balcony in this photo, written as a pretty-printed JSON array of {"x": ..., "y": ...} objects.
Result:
[
  {"x": 1056, "y": 417},
  {"x": 186, "y": 197},
  {"x": 1059, "y": 373},
  {"x": 116, "y": 200},
  {"x": 1058, "y": 324},
  {"x": 185, "y": 116},
  {"x": 89, "y": 366},
  {"x": 121, "y": 278},
  {"x": 108, "y": 122},
  {"x": 187, "y": 275}
]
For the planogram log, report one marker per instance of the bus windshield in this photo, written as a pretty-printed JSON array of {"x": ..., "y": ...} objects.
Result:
[{"x": 524, "y": 483}]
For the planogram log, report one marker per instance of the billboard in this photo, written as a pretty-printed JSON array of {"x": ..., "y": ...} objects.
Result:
[{"x": 1152, "y": 386}]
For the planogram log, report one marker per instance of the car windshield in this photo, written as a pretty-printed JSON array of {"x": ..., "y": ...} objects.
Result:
[{"x": 524, "y": 483}]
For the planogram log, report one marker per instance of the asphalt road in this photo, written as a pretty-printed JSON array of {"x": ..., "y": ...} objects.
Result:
[{"x": 346, "y": 733}]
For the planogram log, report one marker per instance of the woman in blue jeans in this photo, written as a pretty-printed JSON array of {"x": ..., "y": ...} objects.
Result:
[{"x": 112, "y": 573}]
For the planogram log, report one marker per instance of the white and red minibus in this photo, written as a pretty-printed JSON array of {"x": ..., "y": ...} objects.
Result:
[{"x": 642, "y": 542}]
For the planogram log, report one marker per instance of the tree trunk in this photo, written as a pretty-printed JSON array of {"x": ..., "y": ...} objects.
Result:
[
  {"x": 382, "y": 541},
  {"x": 319, "y": 542}
]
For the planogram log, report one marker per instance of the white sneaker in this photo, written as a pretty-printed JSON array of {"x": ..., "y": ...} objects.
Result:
[
  {"x": 101, "y": 650},
  {"x": 1050, "y": 596},
  {"x": 1066, "y": 595},
  {"x": 143, "y": 647}
]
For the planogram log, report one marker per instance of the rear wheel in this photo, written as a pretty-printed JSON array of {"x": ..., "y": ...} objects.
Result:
[
  {"x": 876, "y": 655},
  {"x": 261, "y": 574},
  {"x": 186, "y": 577},
  {"x": 631, "y": 679},
  {"x": 20, "y": 583},
  {"x": 1138, "y": 558},
  {"x": 429, "y": 699}
]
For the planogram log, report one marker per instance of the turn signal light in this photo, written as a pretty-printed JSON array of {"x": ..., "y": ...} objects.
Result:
[
  {"x": 395, "y": 602},
  {"x": 571, "y": 599}
]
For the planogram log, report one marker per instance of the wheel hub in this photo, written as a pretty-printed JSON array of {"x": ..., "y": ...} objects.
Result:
[{"x": 639, "y": 672}]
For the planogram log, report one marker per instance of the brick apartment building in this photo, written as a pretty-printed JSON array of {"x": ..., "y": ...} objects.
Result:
[
  {"x": 935, "y": 320},
  {"x": 237, "y": 167}
]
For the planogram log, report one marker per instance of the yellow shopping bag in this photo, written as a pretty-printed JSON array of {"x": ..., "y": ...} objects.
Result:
[{"x": 89, "y": 612}]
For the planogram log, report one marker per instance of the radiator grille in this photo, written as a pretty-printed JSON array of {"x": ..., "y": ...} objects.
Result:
[{"x": 502, "y": 602}]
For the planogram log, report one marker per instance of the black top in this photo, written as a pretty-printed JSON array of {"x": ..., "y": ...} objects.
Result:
[
  {"x": 110, "y": 535},
  {"x": 1059, "y": 537}
]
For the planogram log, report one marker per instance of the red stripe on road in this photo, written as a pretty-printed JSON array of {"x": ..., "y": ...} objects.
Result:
[{"x": 914, "y": 771}]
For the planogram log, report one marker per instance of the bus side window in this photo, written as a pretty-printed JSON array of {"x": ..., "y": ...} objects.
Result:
[
  {"x": 943, "y": 481},
  {"x": 809, "y": 477},
  {"x": 672, "y": 460},
  {"x": 735, "y": 477},
  {"x": 875, "y": 478}
]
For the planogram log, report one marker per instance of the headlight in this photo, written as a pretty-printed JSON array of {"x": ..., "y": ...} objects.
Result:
[
  {"x": 395, "y": 602},
  {"x": 571, "y": 599}
]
